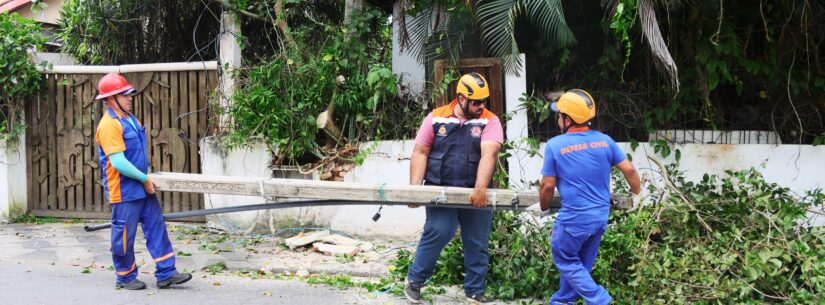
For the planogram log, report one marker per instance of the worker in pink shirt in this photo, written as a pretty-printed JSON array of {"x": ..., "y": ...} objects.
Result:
[{"x": 457, "y": 145}]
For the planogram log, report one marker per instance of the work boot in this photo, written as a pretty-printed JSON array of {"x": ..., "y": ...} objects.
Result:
[
  {"x": 478, "y": 298},
  {"x": 413, "y": 292},
  {"x": 135, "y": 284},
  {"x": 177, "y": 279}
]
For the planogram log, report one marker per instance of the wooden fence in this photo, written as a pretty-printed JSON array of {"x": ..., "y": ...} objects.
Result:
[{"x": 62, "y": 160}]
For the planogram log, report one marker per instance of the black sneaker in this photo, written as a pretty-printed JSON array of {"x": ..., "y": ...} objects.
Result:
[
  {"x": 413, "y": 292},
  {"x": 177, "y": 279},
  {"x": 135, "y": 284},
  {"x": 478, "y": 298}
]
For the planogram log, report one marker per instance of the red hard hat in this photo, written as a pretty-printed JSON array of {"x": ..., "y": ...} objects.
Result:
[{"x": 111, "y": 84}]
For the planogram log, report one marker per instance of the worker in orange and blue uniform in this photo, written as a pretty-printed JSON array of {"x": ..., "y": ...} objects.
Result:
[
  {"x": 130, "y": 190},
  {"x": 579, "y": 162},
  {"x": 457, "y": 145}
]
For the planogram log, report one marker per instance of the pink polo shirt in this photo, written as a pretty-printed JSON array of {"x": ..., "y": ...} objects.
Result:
[{"x": 426, "y": 135}]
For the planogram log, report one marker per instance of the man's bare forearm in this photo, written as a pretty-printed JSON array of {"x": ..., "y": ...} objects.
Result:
[
  {"x": 634, "y": 181},
  {"x": 546, "y": 197},
  {"x": 486, "y": 166},
  {"x": 547, "y": 189},
  {"x": 418, "y": 166}
]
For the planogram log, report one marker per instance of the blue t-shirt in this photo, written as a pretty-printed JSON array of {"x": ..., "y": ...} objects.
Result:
[{"x": 581, "y": 162}]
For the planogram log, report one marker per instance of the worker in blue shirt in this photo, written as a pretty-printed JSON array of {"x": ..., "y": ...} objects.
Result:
[
  {"x": 579, "y": 162},
  {"x": 130, "y": 190}
]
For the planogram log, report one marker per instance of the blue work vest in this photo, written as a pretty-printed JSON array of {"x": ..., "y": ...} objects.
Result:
[{"x": 456, "y": 149}]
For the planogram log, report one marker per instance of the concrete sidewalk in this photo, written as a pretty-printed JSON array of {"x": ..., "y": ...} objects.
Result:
[{"x": 196, "y": 249}]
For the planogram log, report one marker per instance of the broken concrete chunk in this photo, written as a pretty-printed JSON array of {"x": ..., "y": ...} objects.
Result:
[
  {"x": 335, "y": 249},
  {"x": 298, "y": 241}
]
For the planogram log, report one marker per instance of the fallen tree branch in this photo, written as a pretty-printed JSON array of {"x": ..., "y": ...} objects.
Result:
[{"x": 673, "y": 187}]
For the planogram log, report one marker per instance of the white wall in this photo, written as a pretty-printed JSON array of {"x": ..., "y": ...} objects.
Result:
[
  {"x": 388, "y": 164},
  {"x": 13, "y": 191},
  {"x": 798, "y": 167},
  {"x": 249, "y": 162},
  {"x": 404, "y": 64}
]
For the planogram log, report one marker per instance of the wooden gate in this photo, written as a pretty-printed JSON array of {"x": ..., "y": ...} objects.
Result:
[
  {"x": 62, "y": 161},
  {"x": 490, "y": 68}
]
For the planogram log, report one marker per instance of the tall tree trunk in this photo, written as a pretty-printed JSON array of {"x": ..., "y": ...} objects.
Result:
[{"x": 281, "y": 23}]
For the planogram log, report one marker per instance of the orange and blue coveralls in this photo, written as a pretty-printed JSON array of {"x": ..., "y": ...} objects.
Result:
[{"x": 130, "y": 202}]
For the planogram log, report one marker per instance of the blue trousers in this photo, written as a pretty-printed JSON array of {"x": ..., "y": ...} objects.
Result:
[
  {"x": 439, "y": 229},
  {"x": 575, "y": 247},
  {"x": 125, "y": 218}
]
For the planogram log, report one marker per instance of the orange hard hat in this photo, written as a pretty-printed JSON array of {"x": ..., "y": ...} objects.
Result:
[
  {"x": 473, "y": 86},
  {"x": 113, "y": 83},
  {"x": 577, "y": 104}
]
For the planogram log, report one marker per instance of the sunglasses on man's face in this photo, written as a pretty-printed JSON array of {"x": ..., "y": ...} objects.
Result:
[{"x": 479, "y": 102}]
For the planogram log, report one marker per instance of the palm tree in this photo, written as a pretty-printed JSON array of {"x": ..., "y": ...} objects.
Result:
[{"x": 442, "y": 28}]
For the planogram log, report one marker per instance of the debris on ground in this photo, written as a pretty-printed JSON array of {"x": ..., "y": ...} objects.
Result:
[
  {"x": 303, "y": 240},
  {"x": 329, "y": 244}
]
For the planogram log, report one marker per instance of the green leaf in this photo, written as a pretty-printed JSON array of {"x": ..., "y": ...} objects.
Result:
[
  {"x": 497, "y": 21},
  {"x": 713, "y": 81}
]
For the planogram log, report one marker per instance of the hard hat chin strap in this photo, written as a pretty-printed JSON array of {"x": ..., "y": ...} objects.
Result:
[
  {"x": 117, "y": 102},
  {"x": 465, "y": 110}
]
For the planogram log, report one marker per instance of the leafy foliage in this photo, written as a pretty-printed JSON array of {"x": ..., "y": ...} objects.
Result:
[
  {"x": 621, "y": 24},
  {"x": 139, "y": 31},
  {"x": 443, "y": 29},
  {"x": 497, "y": 20},
  {"x": 759, "y": 249},
  {"x": 19, "y": 80},
  {"x": 280, "y": 98},
  {"x": 742, "y": 66}
]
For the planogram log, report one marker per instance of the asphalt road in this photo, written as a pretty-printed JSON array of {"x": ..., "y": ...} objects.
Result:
[{"x": 43, "y": 283}]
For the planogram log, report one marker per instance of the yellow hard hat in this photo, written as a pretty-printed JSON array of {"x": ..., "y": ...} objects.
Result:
[
  {"x": 577, "y": 104},
  {"x": 473, "y": 86}
]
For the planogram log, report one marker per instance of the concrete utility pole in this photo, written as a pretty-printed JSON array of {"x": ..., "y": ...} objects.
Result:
[
  {"x": 352, "y": 8},
  {"x": 229, "y": 61},
  {"x": 365, "y": 192}
]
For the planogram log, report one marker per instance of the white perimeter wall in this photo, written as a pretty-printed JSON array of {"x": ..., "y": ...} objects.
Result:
[{"x": 799, "y": 167}]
